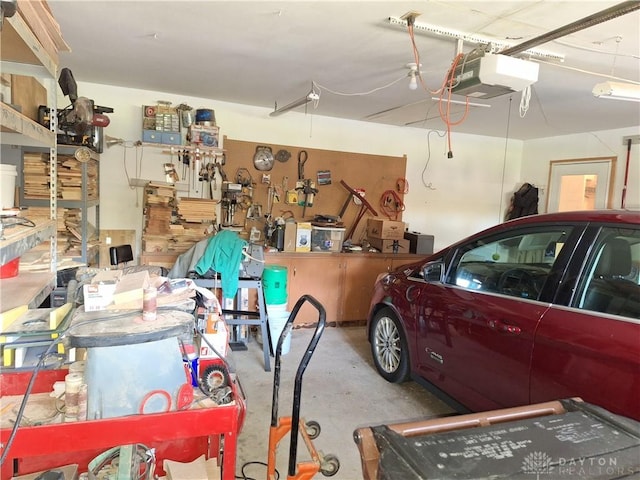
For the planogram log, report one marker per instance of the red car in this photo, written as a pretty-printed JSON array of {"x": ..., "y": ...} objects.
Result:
[{"x": 539, "y": 308}]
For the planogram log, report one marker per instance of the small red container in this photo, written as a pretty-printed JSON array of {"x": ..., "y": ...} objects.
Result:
[{"x": 10, "y": 269}]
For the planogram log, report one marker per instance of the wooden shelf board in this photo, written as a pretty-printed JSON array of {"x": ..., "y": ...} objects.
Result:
[
  {"x": 17, "y": 129},
  {"x": 25, "y": 289},
  {"x": 19, "y": 44}
]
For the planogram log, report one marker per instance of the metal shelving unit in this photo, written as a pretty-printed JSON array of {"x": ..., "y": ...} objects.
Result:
[
  {"x": 22, "y": 54},
  {"x": 85, "y": 204}
]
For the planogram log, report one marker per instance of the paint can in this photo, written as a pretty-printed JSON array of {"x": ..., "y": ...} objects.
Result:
[
  {"x": 82, "y": 402},
  {"x": 72, "y": 384},
  {"x": 149, "y": 304}
]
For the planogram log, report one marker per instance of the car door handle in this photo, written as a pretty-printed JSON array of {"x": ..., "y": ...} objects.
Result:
[{"x": 500, "y": 326}]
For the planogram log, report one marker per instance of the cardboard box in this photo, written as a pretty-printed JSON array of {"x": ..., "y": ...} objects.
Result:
[
  {"x": 385, "y": 229},
  {"x": 419, "y": 243},
  {"x": 290, "y": 229},
  {"x": 198, "y": 469},
  {"x": 303, "y": 237},
  {"x": 386, "y": 246},
  {"x": 219, "y": 341},
  {"x": 204, "y": 135},
  {"x": 130, "y": 289},
  {"x": 98, "y": 296},
  {"x": 112, "y": 291}
]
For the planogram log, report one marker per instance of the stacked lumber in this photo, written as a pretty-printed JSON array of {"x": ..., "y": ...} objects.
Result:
[
  {"x": 68, "y": 228},
  {"x": 185, "y": 237},
  {"x": 70, "y": 178},
  {"x": 157, "y": 219},
  {"x": 36, "y": 175},
  {"x": 173, "y": 226},
  {"x": 43, "y": 213},
  {"x": 37, "y": 15},
  {"x": 37, "y": 180},
  {"x": 73, "y": 233},
  {"x": 164, "y": 191},
  {"x": 197, "y": 210},
  {"x": 158, "y": 208}
]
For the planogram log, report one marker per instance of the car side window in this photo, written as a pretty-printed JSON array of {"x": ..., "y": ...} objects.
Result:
[
  {"x": 517, "y": 264},
  {"x": 611, "y": 282}
]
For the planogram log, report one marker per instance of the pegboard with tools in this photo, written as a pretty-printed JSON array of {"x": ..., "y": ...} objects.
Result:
[{"x": 303, "y": 183}]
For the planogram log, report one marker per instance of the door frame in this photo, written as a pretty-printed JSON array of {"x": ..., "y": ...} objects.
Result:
[{"x": 612, "y": 170}]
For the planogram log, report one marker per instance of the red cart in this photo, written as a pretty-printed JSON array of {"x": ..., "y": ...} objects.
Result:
[{"x": 182, "y": 436}]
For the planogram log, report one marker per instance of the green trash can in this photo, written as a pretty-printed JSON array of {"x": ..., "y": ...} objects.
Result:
[{"x": 274, "y": 284}]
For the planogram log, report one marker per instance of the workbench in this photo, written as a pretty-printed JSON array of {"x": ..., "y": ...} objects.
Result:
[{"x": 182, "y": 436}]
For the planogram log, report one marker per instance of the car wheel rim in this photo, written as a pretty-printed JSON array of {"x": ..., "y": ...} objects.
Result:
[{"x": 388, "y": 345}]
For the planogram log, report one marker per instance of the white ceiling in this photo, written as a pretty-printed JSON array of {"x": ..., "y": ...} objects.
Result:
[{"x": 262, "y": 52}]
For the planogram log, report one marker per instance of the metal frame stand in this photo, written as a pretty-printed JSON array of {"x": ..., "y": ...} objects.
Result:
[{"x": 245, "y": 317}]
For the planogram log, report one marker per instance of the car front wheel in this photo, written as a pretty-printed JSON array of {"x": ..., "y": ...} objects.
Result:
[{"x": 389, "y": 347}]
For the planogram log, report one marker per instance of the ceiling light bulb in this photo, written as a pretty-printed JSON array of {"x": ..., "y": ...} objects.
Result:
[{"x": 413, "y": 83}]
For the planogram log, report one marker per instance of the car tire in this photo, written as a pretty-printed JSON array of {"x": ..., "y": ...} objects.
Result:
[{"x": 389, "y": 347}]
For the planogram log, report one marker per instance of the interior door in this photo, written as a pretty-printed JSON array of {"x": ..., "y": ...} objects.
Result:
[{"x": 584, "y": 184}]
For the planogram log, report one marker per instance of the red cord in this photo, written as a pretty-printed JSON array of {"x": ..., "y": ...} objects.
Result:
[
  {"x": 402, "y": 185},
  {"x": 391, "y": 204},
  {"x": 449, "y": 81}
]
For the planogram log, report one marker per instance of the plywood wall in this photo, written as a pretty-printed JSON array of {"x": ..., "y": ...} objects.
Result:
[
  {"x": 375, "y": 174},
  {"x": 113, "y": 238}
]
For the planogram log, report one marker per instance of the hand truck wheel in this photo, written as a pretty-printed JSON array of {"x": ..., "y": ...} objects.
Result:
[
  {"x": 313, "y": 429},
  {"x": 329, "y": 465}
]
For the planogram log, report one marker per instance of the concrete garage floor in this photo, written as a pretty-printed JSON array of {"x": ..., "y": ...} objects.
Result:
[{"x": 340, "y": 390}]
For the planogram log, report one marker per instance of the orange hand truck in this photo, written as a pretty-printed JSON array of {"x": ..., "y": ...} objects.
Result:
[{"x": 327, "y": 464}]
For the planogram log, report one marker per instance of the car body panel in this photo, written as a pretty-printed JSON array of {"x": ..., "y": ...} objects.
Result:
[
  {"x": 489, "y": 350},
  {"x": 464, "y": 326},
  {"x": 600, "y": 364}
]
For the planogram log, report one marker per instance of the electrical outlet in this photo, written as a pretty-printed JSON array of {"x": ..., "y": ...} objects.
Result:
[{"x": 410, "y": 15}]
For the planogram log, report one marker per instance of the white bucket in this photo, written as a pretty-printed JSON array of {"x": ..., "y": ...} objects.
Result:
[
  {"x": 277, "y": 321},
  {"x": 276, "y": 308},
  {"x": 8, "y": 174}
]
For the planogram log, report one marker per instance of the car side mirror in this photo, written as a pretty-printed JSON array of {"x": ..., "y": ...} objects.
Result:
[{"x": 432, "y": 271}]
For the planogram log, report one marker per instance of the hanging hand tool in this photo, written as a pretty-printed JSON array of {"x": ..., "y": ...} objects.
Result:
[
  {"x": 211, "y": 175},
  {"x": 303, "y": 156},
  {"x": 309, "y": 191},
  {"x": 304, "y": 186},
  {"x": 185, "y": 164},
  {"x": 219, "y": 166},
  {"x": 194, "y": 161}
]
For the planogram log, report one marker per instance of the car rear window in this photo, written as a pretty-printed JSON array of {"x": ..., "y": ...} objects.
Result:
[{"x": 611, "y": 279}]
